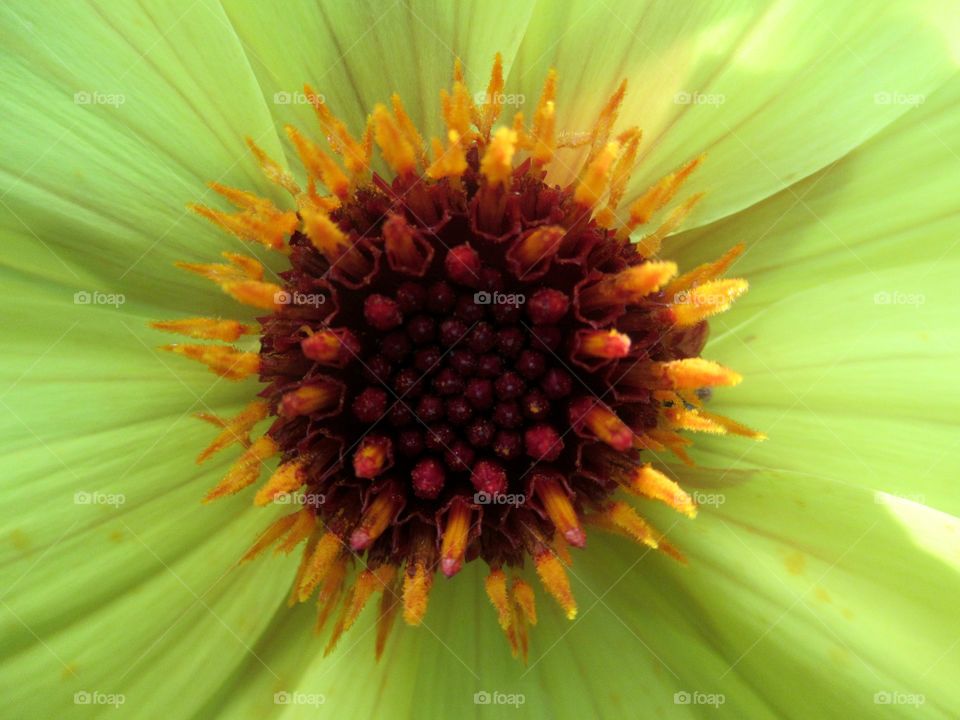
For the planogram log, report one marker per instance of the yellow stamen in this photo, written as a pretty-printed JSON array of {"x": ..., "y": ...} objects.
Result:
[
  {"x": 356, "y": 156},
  {"x": 416, "y": 593},
  {"x": 376, "y": 518},
  {"x": 273, "y": 171},
  {"x": 649, "y": 482},
  {"x": 706, "y": 272},
  {"x": 206, "y": 328},
  {"x": 603, "y": 127},
  {"x": 497, "y": 162},
  {"x": 319, "y": 164},
  {"x": 407, "y": 127},
  {"x": 608, "y": 344},
  {"x": 542, "y": 243},
  {"x": 733, "y": 427},
  {"x": 493, "y": 105},
  {"x": 630, "y": 285},
  {"x": 658, "y": 196},
  {"x": 456, "y": 533},
  {"x": 274, "y": 532},
  {"x": 227, "y": 362},
  {"x": 302, "y": 529},
  {"x": 693, "y": 373},
  {"x": 246, "y": 469},
  {"x": 259, "y": 220},
  {"x": 308, "y": 399},
  {"x": 324, "y": 555},
  {"x": 254, "y": 293},
  {"x": 608, "y": 427},
  {"x": 625, "y": 517},
  {"x": 241, "y": 267},
  {"x": 457, "y": 109},
  {"x": 330, "y": 592},
  {"x": 554, "y": 579},
  {"x": 543, "y": 131},
  {"x": 387, "y": 614},
  {"x": 524, "y": 597},
  {"x": 690, "y": 307},
  {"x": 630, "y": 141},
  {"x": 324, "y": 234},
  {"x": 560, "y": 510},
  {"x": 237, "y": 428},
  {"x": 650, "y": 245},
  {"x": 285, "y": 479},
  {"x": 451, "y": 162},
  {"x": 595, "y": 179},
  {"x": 397, "y": 151}
]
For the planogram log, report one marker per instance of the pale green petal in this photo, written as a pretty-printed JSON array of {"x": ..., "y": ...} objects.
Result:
[
  {"x": 357, "y": 54},
  {"x": 114, "y": 119},
  {"x": 790, "y": 610},
  {"x": 772, "y": 91},
  {"x": 849, "y": 335},
  {"x": 115, "y": 578}
]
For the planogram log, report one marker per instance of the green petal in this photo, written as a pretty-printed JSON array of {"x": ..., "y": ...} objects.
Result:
[
  {"x": 115, "y": 578},
  {"x": 848, "y": 336},
  {"x": 772, "y": 93},
  {"x": 360, "y": 53},
  {"x": 114, "y": 121}
]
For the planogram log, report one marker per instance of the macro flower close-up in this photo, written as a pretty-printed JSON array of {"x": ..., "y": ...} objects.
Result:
[{"x": 442, "y": 358}]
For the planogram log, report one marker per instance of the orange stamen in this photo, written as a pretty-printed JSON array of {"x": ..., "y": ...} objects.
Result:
[
  {"x": 650, "y": 245},
  {"x": 456, "y": 532},
  {"x": 701, "y": 302},
  {"x": 649, "y": 482},
  {"x": 246, "y": 469},
  {"x": 554, "y": 578},
  {"x": 497, "y": 162},
  {"x": 319, "y": 164},
  {"x": 595, "y": 179},
  {"x": 308, "y": 399},
  {"x": 560, "y": 510},
  {"x": 206, "y": 328},
  {"x": 237, "y": 428},
  {"x": 324, "y": 555},
  {"x": 227, "y": 362},
  {"x": 608, "y": 344},
  {"x": 397, "y": 151},
  {"x": 286, "y": 479}
]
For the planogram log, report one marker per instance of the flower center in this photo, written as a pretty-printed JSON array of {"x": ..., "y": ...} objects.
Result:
[{"x": 465, "y": 362}]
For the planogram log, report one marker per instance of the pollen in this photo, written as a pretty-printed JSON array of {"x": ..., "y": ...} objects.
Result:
[{"x": 461, "y": 361}]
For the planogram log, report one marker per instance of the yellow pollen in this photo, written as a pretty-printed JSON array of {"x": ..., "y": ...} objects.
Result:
[
  {"x": 543, "y": 132},
  {"x": 259, "y": 220},
  {"x": 650, "y": 245},
  {"x": 272, "y": 169},
  {"x": 207, "y": 328},
  {"x": 237, "y": 428},
  {"x": 625, "y": 517},
  {"x": 323, "y": 233},
  {"x": 706, "y": 272},
  {"x": 227, "y": 362},
  {"x": 652, "y": 483},
  {"x": 375, "y": 519},
  {"x": 287, "y": 478},
  {"x": 408, "y": 129},
  {"x": 594, "y": 182},
  {"x": 301, "y": 530},
  {"x": 451, "y": 162},
  {"x": 695, "y": 373},
  {"x": 356, "y": 156},
  {"x": 319, "y": 164},
  {"x": 246, "y": 469},
  {"x": 257, "y": 294},
  {"x": 416, "y": 593},
  {"x": 277, "y": 529},
  {"x": 554, "y": 578},
  {"x": 524, "y": 597},
  {"x": 457, "y": 109},
  {"x": 560, "y": 510},
  {"x": 493, "y": 106},
  {"x": 497, "y": 162},
  {"x": 324, "y": 555},
  {"x": 397, "y": 151},
  {"x": 716, "y": 296}
]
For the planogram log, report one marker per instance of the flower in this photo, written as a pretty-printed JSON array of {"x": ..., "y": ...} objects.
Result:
[{"x": 822, "y": 564}]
